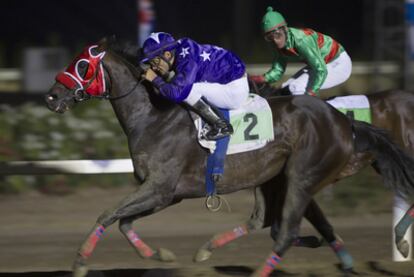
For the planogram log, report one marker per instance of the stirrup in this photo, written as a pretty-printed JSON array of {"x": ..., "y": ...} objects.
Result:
[{"x": 218, "y": 133}]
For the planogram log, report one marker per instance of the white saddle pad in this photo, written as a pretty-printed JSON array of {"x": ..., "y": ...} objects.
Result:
[
  {"x": 356, "y": 106},
  {"x": 350, "y": 102},
  {"x": 252, "y": 124}
]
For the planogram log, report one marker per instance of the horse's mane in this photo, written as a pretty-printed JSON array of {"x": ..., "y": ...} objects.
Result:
[{"x": 131, "y": 53}]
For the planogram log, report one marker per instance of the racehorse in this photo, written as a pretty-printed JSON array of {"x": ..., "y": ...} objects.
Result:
[
  {"x": 391, "y": 110},
  {"x": 313, "y": 145}
]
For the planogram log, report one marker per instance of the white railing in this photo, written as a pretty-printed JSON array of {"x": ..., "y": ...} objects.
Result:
[{"x": 66, "y": 167}]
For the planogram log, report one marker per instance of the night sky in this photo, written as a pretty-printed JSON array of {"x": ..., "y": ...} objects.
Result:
[{"x": 226, "y": 23}]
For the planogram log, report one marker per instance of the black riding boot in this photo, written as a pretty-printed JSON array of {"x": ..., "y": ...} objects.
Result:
[{"x": 220, "y": 127}]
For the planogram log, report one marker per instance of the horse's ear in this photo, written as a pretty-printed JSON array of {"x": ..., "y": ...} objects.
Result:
[
  {"x": 105, "y": 42},
  {"x": 111, "y": 39}
]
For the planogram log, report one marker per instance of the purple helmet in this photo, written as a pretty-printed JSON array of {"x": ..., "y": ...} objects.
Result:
[{"x": 156, "y": 44}]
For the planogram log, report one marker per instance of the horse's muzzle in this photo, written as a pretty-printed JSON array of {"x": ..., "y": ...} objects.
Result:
[{"x": 55, "y": 105}]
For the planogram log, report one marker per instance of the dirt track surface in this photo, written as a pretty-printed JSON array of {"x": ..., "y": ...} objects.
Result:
[{"x": 41, "y": 234}]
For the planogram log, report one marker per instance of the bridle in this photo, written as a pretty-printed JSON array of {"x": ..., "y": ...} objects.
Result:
[{"x": 79, "y": 87}]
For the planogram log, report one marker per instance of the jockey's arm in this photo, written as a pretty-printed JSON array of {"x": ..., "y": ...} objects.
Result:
[
  {"x": 277, "y": 70},
  {"x": 318, "y": 70},
  {"x": 180, "y": 85}
]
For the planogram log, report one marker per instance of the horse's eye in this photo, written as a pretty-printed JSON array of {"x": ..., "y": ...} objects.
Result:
[{"x": 82, "y": 69}]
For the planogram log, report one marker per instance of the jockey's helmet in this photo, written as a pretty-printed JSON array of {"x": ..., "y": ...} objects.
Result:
[
  {"x": 272, "y": 20},
  {"x": 156, "y": 44}
]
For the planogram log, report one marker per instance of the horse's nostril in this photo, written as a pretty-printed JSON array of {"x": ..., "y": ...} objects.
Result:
[{"x": 51, "y": 97}]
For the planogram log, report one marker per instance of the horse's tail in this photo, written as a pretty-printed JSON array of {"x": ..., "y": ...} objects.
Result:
[{"x": 394, "y": 165}]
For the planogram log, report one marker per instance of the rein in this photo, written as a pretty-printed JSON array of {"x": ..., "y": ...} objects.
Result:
[
  {"x": 133, "y": 70},
  {"x": 106, "y": 94},
  {"x": 257, "y": 89}
]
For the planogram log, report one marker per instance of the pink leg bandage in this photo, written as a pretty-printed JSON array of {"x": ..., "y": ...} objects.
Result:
[
  {"x": 224, "y": 238},
  {"x": 411, "y": 212},
  {"x": 141, "y": 246},
  {"x": 271, "y": 263},
  {"x": 90, "y": 244},
  {"x": 336, "y": 246}
]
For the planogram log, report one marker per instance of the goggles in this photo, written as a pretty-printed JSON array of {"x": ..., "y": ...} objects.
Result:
[{"x": 274, "y": 34}]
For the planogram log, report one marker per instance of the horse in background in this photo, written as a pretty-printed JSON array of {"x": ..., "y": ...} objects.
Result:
[
  {"x": 314, "y": 144},
  {"x": 392, "y": 110}
]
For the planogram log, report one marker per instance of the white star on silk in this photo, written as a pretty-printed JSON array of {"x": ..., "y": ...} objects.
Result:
[
  {"x": 205, "y": 56},
  {"x": 155, "y": 36},
  {"x": 184, "y": 52}
]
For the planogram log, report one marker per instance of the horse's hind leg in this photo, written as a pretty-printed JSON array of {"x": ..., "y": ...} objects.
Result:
[
  {"x": 407, "y": 137},
  {"x": 400, "y": 229},
  {"x": 254, "y": 223},
  {"x": 316, "y": 217},
  {"x": 296, "y": 201},
  {"x": 266, "y": 198}
]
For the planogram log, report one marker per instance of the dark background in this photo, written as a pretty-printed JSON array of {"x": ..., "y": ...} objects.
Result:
[{"x": 233, "y": 24}]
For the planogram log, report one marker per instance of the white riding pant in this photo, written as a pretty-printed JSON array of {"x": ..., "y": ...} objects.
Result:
[
  {"x": 225, "y": 96},
  {"x": 339, "y": 71}
]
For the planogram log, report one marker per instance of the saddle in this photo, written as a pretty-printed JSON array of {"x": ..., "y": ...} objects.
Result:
[{"x": 252, "y": 124}]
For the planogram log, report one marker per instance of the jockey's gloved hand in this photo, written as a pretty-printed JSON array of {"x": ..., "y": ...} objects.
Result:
[
  {"x": 258, "y": 79},
  {"x": 149, "y": 75},
  {"x": 311, "y": 93}
]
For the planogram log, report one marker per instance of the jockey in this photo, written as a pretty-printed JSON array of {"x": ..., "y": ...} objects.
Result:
[
  {"x": 185, "y": 71},
  {"x": 328, "y": 64}
]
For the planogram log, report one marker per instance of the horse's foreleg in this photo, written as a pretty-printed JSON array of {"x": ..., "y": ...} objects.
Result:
[
  {"x": 401, "y": 228},
  {"x": 125, "y": 226},
  {"x": 295, "y": 204},
  {"x": 142, "y": 200},
  {"x": 144, "y": 251}
]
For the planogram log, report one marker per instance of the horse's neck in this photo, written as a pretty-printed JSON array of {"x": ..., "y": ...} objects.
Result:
[{"x": 134, "y": 111}]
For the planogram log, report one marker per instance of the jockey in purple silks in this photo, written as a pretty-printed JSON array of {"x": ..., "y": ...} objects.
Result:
[{"x": 199, "y": 75}]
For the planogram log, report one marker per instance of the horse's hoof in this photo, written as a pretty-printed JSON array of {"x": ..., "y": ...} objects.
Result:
[
  {"x": 202, "y": 255},
  {"x": 80, "y": 271},
  {"x": 404, "y": 248},
  {"x": 165, "y": 255}
]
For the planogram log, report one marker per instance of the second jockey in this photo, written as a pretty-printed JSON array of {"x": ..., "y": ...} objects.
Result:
[
  {"x": 185, "y": 71},
  {"x": 327, "y": 63}
]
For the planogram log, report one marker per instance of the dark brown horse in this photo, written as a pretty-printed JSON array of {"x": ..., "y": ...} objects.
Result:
[
  {"x": 314, "y": 144},
  {"x": 392, "y": 110}
]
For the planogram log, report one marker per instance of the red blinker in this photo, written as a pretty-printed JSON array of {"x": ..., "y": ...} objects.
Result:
[{"x": 93, "y": 82}]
